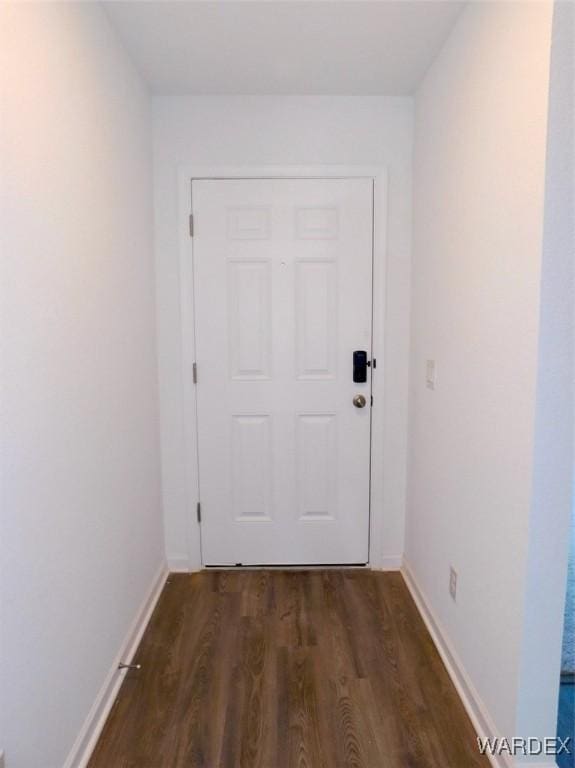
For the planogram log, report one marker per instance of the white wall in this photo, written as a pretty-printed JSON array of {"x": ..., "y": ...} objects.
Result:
[
  {"x": 279, "y": 130},
  {"x": 479, "y": 163},
  {"x": 81, "y": 531},
  {"x": 552, "y": 490}
]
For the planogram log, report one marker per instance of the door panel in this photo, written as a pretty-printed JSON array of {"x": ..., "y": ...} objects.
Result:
[
  {"x": 282, "y": 284},
  {"x": 316, "y": 319},
  {"x": 249, "y": 312}
]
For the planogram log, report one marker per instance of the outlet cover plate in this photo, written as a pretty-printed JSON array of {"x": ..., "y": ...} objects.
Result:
[
  {"x": 430, "y": 374},
  {"x": 453, "y": 582}
]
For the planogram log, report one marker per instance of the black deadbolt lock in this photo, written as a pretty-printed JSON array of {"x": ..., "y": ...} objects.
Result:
[{"x": 360, "y": 366}]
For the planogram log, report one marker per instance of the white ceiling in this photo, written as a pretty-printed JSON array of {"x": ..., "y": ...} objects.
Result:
[{"x": 283, "y": 47}]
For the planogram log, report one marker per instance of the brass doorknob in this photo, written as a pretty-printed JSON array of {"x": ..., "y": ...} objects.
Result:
[{"x": 359, "y": 401}]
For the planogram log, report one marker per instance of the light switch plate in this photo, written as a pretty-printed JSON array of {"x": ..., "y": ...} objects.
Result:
[{"x": 430, "y": 374}]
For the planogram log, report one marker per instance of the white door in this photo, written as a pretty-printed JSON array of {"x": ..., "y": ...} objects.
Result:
[{"x": 283, "y": 298}]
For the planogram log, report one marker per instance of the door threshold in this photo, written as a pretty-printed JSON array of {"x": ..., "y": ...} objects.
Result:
[{"x": 286, "y": 567}]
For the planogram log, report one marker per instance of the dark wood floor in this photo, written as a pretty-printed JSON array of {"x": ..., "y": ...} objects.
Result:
[{"x": 287, "y": 669}]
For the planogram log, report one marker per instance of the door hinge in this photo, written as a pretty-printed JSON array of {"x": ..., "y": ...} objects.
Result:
[
  {"x": 199, "y": 512},
  {"x": 371, "y": 401},
  {"x": 191, "y": 224},
  {"x": 194, "y": 373}
]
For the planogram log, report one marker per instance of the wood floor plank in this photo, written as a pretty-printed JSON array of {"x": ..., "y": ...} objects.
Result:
[
  {"x": 287, "y": 669},
  {"x": 304, "y": 743}
]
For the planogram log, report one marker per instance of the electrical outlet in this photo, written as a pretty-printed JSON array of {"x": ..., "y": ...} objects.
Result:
[
  {"x": 430, "y": 374},
  {"x": 453, "y": 582}
]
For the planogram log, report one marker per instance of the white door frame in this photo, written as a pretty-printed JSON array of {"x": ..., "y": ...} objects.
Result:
[{"x": 186, "y": 175}]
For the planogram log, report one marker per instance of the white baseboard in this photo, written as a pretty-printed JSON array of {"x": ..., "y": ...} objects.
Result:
[
  {"x": 474, "y": 706},
  {"x": 179, "y": 564},
  {"x": 388, "y": 563},
  {"x": 94, "y": 723}
]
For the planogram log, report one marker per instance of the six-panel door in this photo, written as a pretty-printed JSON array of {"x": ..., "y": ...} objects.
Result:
[{"x": 283, "y": 296}]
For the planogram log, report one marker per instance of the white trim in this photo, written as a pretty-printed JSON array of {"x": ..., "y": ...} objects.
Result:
[
  {"x": 474, "y": 706},
  {"x": 178, "y": 564},
  {"x": 188, "y": 341},
  {"x": 94, "y": 723},
  {"x": 379, "y": 176},
  {"x": 379, "y": 305},
  {"x": 389, "y": 563}
]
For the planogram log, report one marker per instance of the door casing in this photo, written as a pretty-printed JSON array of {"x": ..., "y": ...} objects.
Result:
[{"x": 186, "y": 175}]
